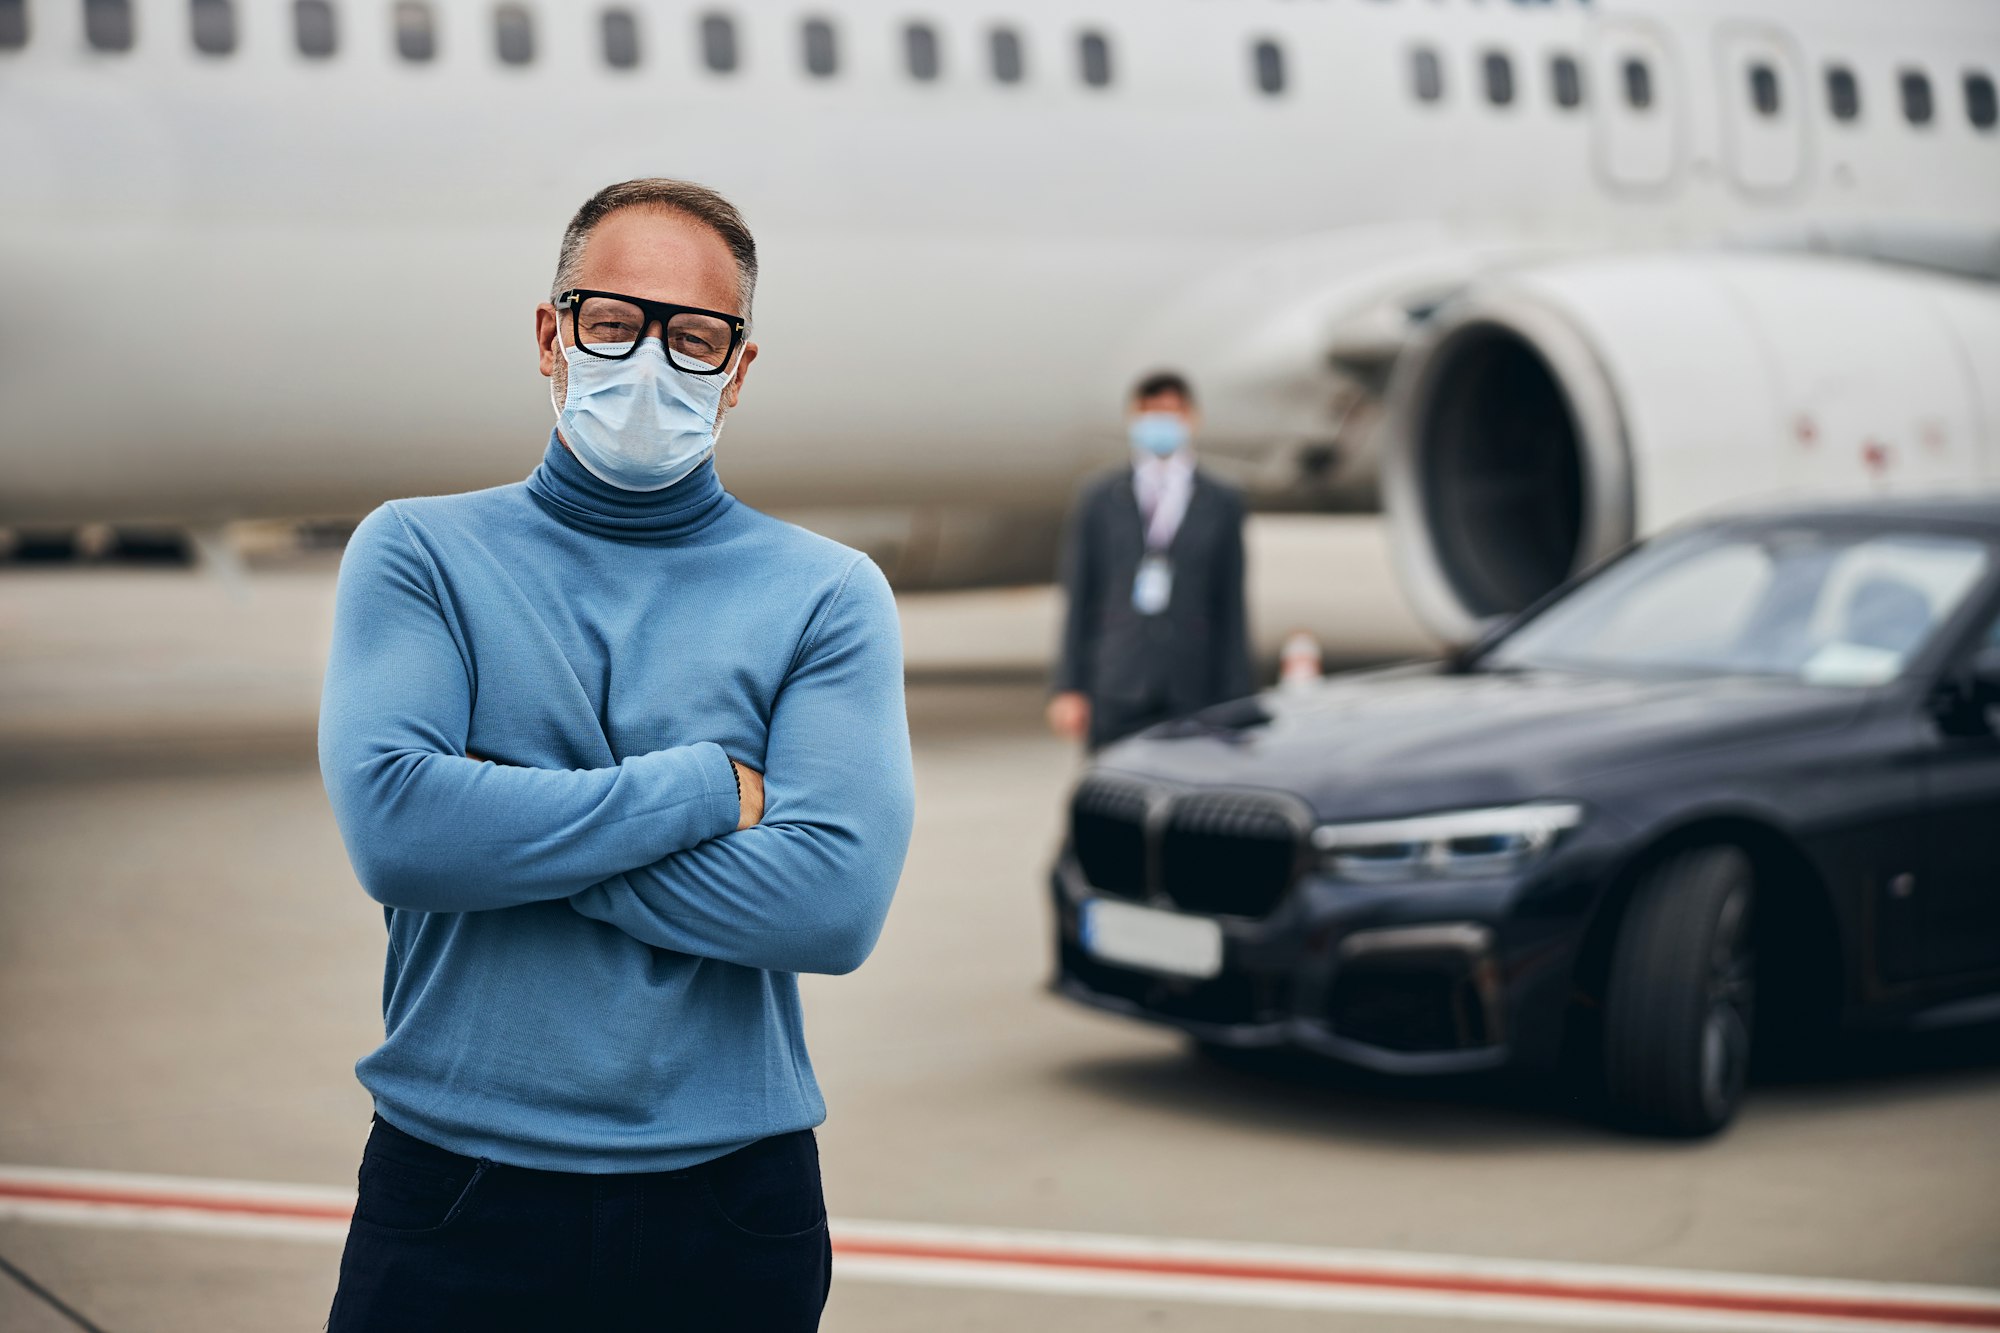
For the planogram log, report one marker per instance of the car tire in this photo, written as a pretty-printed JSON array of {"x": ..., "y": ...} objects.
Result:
[{"x": 1680, "y": 1004}]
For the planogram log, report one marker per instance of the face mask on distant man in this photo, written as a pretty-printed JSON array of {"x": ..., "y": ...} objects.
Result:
[
  {"x": 1159, "y": 433},
  {"x": 639, "y": 424}
]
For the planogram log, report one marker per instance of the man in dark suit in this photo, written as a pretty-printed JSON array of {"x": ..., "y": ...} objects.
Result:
[{"x": 1153, "y": 570}]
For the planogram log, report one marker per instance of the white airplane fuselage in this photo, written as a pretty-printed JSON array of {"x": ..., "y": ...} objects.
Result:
[{"x": 258, "y": 284}]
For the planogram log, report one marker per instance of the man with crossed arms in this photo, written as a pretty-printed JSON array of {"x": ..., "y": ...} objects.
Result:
[{"x": 620, "y": 756}]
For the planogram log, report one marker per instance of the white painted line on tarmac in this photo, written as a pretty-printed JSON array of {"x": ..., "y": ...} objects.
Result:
[{"x": 1126, "y": 1267}]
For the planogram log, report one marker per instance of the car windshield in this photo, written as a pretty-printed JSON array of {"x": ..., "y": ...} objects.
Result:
[{"x": 1824, "y": 606}]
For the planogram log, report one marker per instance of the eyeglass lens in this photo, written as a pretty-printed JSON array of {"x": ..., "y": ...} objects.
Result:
[{"x": 606, "y": 326}]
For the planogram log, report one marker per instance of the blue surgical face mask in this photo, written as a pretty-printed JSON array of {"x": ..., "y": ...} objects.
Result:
[
  {"x": 1159, "y": 433},
  {"x": 639, "y": 424}
]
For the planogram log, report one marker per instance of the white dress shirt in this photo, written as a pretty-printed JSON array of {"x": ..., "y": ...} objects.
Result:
[{"x": 1163, "y": 487}]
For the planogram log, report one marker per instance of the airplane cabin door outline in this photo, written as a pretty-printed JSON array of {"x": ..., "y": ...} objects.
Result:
[
  {"x": 1637, "y": 113},
  {"x": 1762, "y": 84}
]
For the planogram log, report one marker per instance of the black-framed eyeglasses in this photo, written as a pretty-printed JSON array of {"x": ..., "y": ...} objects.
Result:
[{"x": 612, "y": 325}]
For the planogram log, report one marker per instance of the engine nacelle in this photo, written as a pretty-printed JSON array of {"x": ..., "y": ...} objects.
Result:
[{"x": 1549, "y": 416}]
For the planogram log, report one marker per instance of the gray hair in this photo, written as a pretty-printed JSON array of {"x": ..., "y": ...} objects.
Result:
[{"x": 684, "y": 197}]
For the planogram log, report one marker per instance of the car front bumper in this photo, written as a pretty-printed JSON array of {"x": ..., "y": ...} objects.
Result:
[{"x": 1399, "y": 979}]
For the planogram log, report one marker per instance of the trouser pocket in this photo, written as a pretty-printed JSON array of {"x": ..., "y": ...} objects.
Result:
[
  {"x": 770, "y": 1189},
  {"x": 407, "y": 1185}
]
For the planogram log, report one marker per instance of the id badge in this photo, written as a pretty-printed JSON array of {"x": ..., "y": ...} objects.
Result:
[{"x": 1153, "y": 585}]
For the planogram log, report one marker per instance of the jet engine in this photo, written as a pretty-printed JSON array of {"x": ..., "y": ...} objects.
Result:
[{"x": 1546, "y": 416}]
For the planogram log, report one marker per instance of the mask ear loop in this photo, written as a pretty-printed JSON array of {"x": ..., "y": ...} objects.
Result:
[
  {"x": 563, "y": 358},
  {"x": 715, "y": 427}
]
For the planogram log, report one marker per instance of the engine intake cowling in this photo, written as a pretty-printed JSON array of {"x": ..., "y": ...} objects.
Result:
[{"x": 1549, "y": 416}]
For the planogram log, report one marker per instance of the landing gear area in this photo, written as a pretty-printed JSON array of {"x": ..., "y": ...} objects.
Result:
[{"x": 96, "y": 544}]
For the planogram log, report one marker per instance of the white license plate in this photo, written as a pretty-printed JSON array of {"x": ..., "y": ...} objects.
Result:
[{"x": 1145, "y": 937}]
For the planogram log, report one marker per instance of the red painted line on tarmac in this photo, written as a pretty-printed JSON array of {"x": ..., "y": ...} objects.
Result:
[
  {"x": 1862, "y": 1310},
  {"x": 1695, "y": 1299},
  {"x": 159, "y": 1201}
]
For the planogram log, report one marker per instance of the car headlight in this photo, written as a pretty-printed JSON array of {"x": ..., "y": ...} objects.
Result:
[{"x": 1460, "y": 844}]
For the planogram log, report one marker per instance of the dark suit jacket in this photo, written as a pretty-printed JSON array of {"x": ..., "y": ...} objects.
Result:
[{"x": 1193, "y": 654}]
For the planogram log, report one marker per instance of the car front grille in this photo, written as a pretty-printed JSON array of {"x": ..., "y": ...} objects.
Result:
[
  {"x": 1228, "y": 853},
  {"x": 1108, "y": 831},
  {"x": 1213, "y": 853}
]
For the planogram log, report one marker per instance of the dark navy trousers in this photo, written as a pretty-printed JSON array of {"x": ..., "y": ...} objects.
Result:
[{"x": 441, "y": 1242}]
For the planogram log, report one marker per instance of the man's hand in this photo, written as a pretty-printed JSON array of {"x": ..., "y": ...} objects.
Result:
[
  {"x": 1069, "y": 715},
  {"x": 752, "y": 783}
]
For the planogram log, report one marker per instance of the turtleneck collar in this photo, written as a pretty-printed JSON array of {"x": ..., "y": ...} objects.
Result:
[{"x": 575, "y": 497}]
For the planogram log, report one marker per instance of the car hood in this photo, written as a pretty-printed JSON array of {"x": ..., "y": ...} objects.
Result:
[{"x": 1415, "y": 739}]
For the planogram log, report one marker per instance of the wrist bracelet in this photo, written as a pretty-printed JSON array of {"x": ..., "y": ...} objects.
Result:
[{"x": 737, "y": 775}]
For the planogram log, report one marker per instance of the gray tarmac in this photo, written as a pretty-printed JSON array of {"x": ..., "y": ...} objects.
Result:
[{"x": 188, "y": 972}]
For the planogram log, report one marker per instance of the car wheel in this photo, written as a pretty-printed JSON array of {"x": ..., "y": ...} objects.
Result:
[{"x": 1679, "y": 1007}]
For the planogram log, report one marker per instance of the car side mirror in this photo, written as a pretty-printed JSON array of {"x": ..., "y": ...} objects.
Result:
[
  {"x": 1964, "y": 700},
  {"x": 1982, "y": 678}
]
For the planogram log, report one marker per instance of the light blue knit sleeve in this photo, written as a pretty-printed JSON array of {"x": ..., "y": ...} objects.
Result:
[
  {"x": 430, "y": 829},
  {"x": 808, "y": 888}
]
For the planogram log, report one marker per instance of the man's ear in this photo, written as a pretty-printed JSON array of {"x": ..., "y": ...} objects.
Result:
[
  {"x": 734, "y": 389},
  {"x": 546, "y": 322}
]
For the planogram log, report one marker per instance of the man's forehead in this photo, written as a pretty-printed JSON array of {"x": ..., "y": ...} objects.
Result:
[{"x": 661, "y": 256}]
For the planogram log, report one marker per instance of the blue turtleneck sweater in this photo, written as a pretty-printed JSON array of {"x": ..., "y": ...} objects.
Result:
[{"x": 532, "y": 699}]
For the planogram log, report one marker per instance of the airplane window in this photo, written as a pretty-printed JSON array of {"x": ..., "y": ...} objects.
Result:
[
  {"x": 920, "y": 45},
  {"x": 1096, "y": 56},
  {"x": 513, "y": 34},
  {"x": 1270, "y": 63},
  {"x": 1979, "y": 100},
  {"x": 107, "y": 24},
  {"x": 621, "y": 38},
  {"x": 1638, "y": 84},
  {"x": 1764, "y": 89},
  {"x": 1428, "y": 74},
  {"x": 1568, "y": 81},
  {"x": 416, "y": 31},
  {"x": 312, "y": 28},
  {"x": 1008, "y": 64},
  {"x": 1917, "y": 107},
  {"x": 212, "y": 24},
  {"x": 1843, "y": 94},
  {"x": 821, "y": 57},
  {"x": 1499, "y": 78},
  {"x": 718, "y": 43}
]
